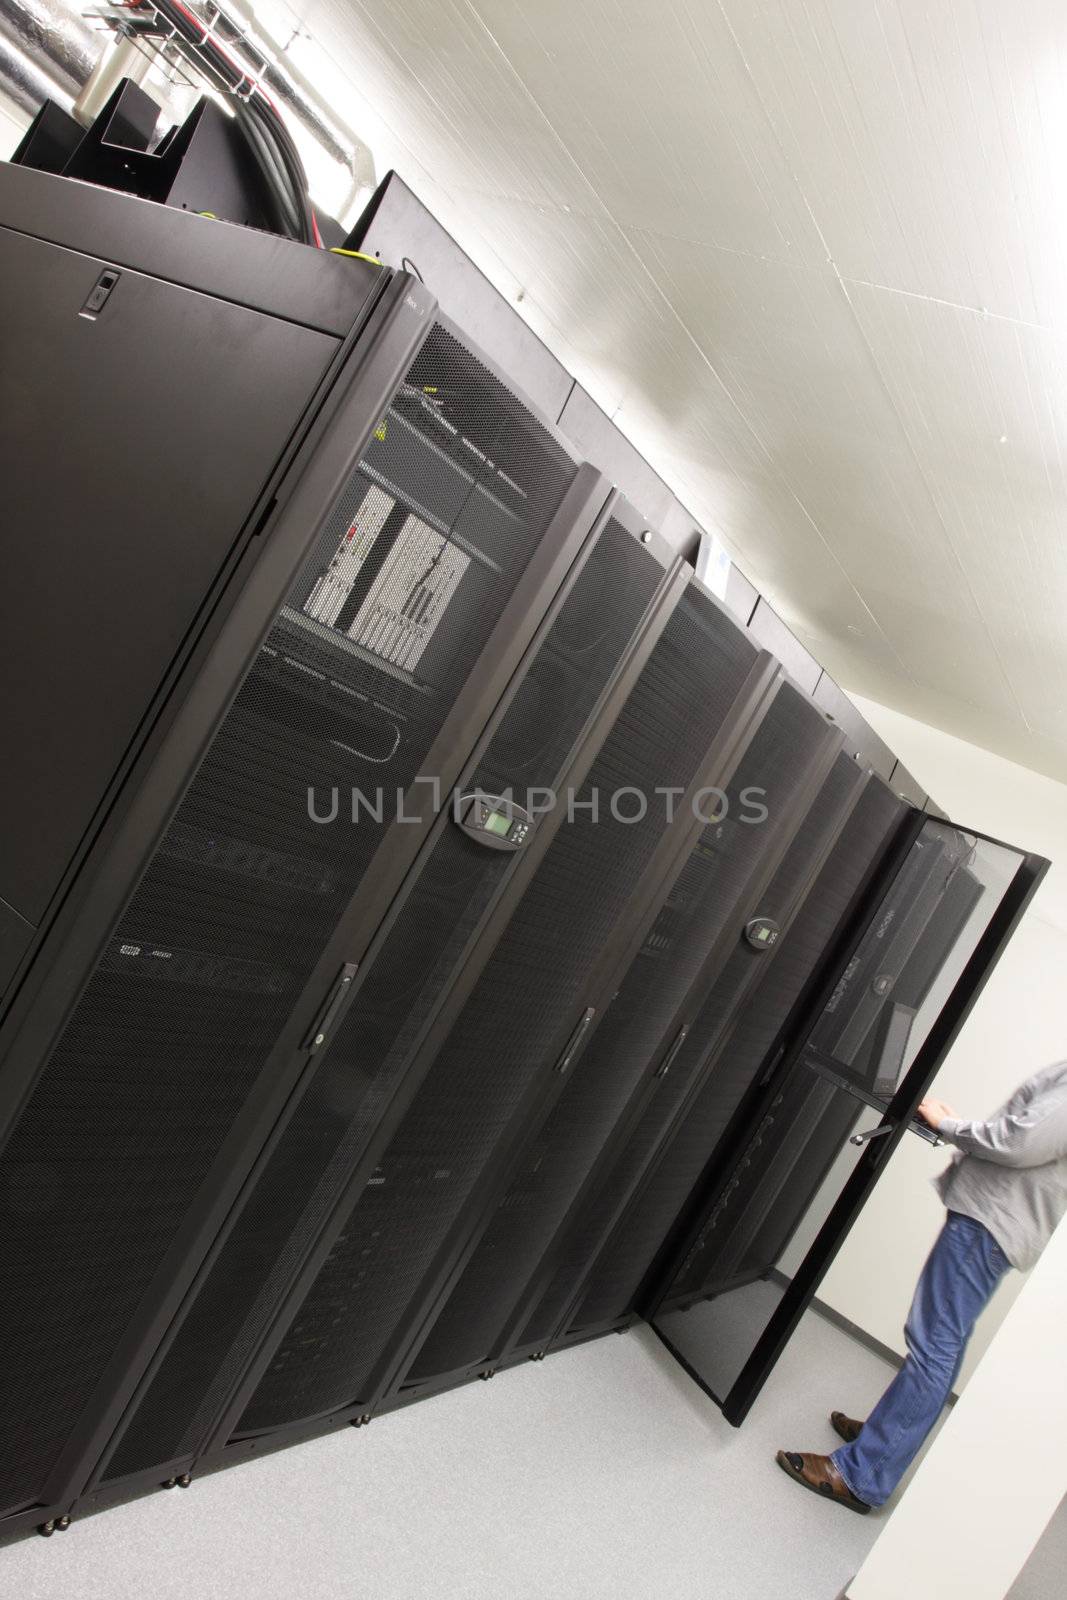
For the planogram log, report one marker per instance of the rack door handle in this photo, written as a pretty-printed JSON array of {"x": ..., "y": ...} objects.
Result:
[
  {"x": 872, "y": 1133},
  {"x": 914, "y": 1126},
  {"x": 575, "y": 1039}
]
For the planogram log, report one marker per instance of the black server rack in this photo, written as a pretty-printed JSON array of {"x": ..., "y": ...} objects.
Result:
[
  {"x": 543, "y": 736},
  {"x": 119, "y": 345},
  {"x": 610, "y": 1243},
  {"x": 767, "y": 1218},
  {"x": 376, "y": 986},
  {"x": 770, "y": 1179},
  {"x": 716, "y": 897},
  {"x": 509, "y": 1027},
  {"x": 410, "y": 544},
  {"x": 874, "y": 972}
]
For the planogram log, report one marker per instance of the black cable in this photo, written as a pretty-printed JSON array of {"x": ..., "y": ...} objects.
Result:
[
  {"x": 279, "y": 203},
  {"x": 295, "y": 165},
  {"x": 288, "y": 188},
  {"x": 262, "y": 127},
  {"x": 294, "y": 179}
]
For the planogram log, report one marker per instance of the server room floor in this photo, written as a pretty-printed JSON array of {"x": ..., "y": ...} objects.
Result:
[{"x": 600, "y": 1473}]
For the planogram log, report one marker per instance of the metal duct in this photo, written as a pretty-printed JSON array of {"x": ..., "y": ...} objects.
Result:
[
  {"x": 238, "y": 24},
  {"x": 24, "y": 83},
  {"x": 48, "y": 34},
  {"x": 45, "y": 42},
  {"x": 123, "y": 60}
]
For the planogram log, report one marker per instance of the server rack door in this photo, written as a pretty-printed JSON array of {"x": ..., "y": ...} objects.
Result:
[
  {"x": 518, "y": 1017},
  {"x": 556, "y": 706},
  {"x": 112, "y": 544},
  {"x": 621, "y": 1266},
  {"x": 675, "y": 1128},
  {"x": 395, "y": 636},
  {"x": 778, "y": 1213},
  {"x": 476, "y": 1276},
  {"x": 728, "y": 1104},
  {"x": 714, "y": 895}
]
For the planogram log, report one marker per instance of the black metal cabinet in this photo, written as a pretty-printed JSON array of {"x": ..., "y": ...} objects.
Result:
[
  {"x": 701, "y": 915},
  {"x": 437, "y": 884},
  {"x": 108, "y": 562},
  {"x": 767, "y": 1224},
  {"x": 357, "y": 1085},
  {"x": 403, "y": 567},
  {"x": 515, "y": 1019},
  {"x": 612, "y": 1240}
]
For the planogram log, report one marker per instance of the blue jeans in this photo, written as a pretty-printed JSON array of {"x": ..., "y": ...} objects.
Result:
[{"x": 956, "y": 1284}]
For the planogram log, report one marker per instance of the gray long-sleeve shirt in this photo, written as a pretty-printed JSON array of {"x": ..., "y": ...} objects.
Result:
[{"x": 1011, "y": 1172}]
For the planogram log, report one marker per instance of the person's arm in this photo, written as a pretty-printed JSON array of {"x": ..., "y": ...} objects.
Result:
[{"x": 1028, "y": 1137}]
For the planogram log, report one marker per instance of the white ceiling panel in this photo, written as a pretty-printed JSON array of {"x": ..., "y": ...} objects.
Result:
[
  {"x": 689, "y": 158},
  {"x": 927, "y": 139},
  {"x": 984, "y": 405},
  {"x": 812, "y": 257}
]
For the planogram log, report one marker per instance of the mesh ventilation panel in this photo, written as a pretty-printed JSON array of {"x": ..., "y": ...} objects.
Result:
[
  {"x": 510, "y": 1030},
  {"x": 418, "y": 960},
  {"x": 704, "y": 898},
  {"x": 950, "y": 915},
  {"x": 624, "y": 1262},
  {"x": 805, "y": 1125},
  {"x": 778, "y": 1172},
  {"x": 353, "y": 682},
  {"x": 935, "y": 861}
]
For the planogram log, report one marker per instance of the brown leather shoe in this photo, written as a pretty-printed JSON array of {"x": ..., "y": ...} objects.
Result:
[
  {"x": 846, "y": 1428},
  {"x": 819, "y": 1474}
]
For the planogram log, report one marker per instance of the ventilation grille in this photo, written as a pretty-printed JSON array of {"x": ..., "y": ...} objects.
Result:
[
  {"x": 935, "y": 860},
  {"x": 703, "y": 901},
  {"x": 400, "y": 986},
  {"x": 510, "y": 1031},
  {"x": 805, "y": 1125},
  {"x": 215, "y": 947},
  {"x": 737, "y": 1058}
]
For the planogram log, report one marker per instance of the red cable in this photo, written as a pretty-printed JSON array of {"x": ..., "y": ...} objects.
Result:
[{"x": 205, "y": 35}]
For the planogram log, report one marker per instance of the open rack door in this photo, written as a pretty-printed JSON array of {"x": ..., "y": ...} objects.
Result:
[{"x": 775, "y": 1213}]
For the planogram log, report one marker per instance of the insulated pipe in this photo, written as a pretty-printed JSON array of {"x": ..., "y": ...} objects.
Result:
[
  {"x": 52, "y": 45},
  {"x": 297, "y": 94},
  {"x": 236, "y": 24},
  {"x": 55, "y": 38},
  {"x": 123, "y": 59},
  {"x": 22, "y": 81}
]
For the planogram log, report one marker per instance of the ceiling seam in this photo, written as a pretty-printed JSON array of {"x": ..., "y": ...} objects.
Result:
[
  {"x": 876, "y": 367},
  {"x": 924, "y": 479},
  {"x": 982, "y": 312},
  {"x": 694, "y": 341},
  {"x": 1049, "y": 764}
]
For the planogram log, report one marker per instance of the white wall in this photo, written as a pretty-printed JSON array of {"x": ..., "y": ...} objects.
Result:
[
  {"x": 13, "y": 124},
  {"x": 1018, "y": 1025},
  {"x": 995, "y": 1473}
]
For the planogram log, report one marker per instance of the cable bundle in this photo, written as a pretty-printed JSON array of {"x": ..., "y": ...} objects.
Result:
[{"x": 259, "y": 119}]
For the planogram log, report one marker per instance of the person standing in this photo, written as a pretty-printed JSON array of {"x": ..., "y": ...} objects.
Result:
[{"x": 1005, "y": 1193}]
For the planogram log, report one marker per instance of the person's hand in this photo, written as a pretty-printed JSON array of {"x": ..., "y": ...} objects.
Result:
[{"x": 934, "y": 1112}]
